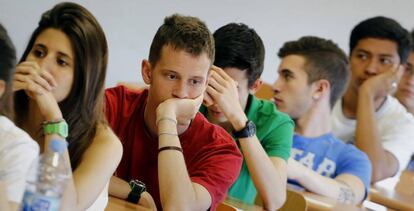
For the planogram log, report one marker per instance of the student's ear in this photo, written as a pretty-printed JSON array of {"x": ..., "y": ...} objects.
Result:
[
  {"x": 322, "y": 88},
  {"x": 146, "y": 71},
  {"x": 256, "y": 86}
]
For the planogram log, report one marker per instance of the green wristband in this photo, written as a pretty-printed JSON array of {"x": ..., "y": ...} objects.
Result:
[{"x": 60, "y": 128}]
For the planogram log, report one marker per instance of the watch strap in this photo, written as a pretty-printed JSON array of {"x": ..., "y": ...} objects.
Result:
[
  {"x": 133, "y": 197},
  {"x": 56, "y": 127},
  {"x": 137, "y": 188}
]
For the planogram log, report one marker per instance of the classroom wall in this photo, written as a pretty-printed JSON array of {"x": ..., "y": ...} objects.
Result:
[{"x": 130, "y": 25}]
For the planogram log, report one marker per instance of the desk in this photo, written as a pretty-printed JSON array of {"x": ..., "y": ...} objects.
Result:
[
  {"x": 390, "y": 198},
  {"x": 383, "y": 192},
  {"x": 115, "y": 204},
  {"x": 319, "y": 202},
  {"x": 240, "y": 205}
]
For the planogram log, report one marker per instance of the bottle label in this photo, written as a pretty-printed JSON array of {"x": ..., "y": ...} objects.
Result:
[{"x": 36, "y": 202}]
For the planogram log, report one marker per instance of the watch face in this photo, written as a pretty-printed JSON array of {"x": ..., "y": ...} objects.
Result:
[
  {"x": 251, "y": 127},
  {"x": 137, "y": 186},
  {"x": 248, "y": 131}
]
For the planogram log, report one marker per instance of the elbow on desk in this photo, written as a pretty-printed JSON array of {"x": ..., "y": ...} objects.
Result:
[
  {"x": 381, "y": 174},
  {"x": 383, "y": 169},
  {"x": 274, "y": 202}
]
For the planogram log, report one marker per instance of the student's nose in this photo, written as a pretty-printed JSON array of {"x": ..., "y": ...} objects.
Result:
[
  {"x": 276, "y": 86},
  {"x": 180, "y": 90},
  {"x": 45, "y": 64},
  {"x": 372, "y": 67}
]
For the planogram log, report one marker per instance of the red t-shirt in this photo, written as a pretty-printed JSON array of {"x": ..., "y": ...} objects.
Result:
[{"x": 211, "y": 155}]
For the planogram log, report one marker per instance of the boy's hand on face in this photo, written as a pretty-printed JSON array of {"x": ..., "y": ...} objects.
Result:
[
  {"x": 223, "y": 91},
  {"x": 181, "y": 110},
  {"x": 381, "y": 85},
  {"x": 37, "y": 84}
]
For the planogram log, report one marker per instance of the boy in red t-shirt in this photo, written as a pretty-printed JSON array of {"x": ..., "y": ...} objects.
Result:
[{"x": 185, "y": 162}]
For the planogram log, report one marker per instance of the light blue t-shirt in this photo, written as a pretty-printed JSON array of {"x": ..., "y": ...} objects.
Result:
[{"x": 330, "y": 157}]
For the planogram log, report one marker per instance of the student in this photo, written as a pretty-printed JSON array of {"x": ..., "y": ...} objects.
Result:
[
  {"x": 185, "y": 162},
  {"x": 405, "y": 89},
  {"x": 313, "y": 74},
  {"x": 17, "y": 149},
  {"x": 367, "y": 115},
  {"x": 59, "y": 84},
  {"x": 263, "y": 133}
]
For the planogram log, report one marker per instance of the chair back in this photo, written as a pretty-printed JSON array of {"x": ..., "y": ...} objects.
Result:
[{"x": 265, "y": 92}]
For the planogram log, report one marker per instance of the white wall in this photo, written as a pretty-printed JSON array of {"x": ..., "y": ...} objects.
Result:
[{"x": 130, "y": 25}]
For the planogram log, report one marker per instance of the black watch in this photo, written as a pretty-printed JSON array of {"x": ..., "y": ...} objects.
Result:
[
  {"x": 248, "y": 131},
  {"x": 137, "y": 188}
]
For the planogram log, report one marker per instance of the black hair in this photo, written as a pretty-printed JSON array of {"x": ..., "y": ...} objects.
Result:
[
  {"x": 239, "y": 46},
  {"x": 382, "y": 28},
  {"x": 7, "y": 65}
]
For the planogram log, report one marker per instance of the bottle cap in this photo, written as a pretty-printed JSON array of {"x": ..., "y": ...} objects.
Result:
[{"x": 58, "y": 145}]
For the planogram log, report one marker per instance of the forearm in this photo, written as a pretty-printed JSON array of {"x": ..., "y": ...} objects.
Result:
[
  {"x": 5, "y": 204},
  {"x": 70, "y": 199},
  {"x": 119, "y": 188},
  {"x": 327, "y": 186},
  {"x": 176, "y": 188},
  {"x": 269, "y": 180},
  {"x": 367, "y": 139},
  {"x": 78, "y": 194},
  {"x": 13, "y": 206}
]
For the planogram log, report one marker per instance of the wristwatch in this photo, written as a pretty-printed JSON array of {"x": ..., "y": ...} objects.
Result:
[
  {"x": 248, "y": 131},
  {"x": 137, "y": 188},
  {"x": 59, "y": 127}
]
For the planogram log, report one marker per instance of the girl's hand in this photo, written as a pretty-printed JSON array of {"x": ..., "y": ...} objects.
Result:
[{"x": 38, "y": 85}]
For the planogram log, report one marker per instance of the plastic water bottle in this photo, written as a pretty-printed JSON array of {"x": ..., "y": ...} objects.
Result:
[{"x": 47, "y": 180}]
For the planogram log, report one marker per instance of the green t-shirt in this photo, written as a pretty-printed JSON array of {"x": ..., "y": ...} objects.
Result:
[{"x": 274, "y": 130}]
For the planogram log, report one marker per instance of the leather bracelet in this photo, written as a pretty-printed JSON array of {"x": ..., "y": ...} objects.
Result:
[
  {"x": 170, "y": 148},
  {"x": 166, "y": 118}
]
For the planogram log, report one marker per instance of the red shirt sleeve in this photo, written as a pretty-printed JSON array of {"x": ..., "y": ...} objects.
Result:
[
  {"x": 219, "y": 178},
  {"x": 112, "y": 101},
  {"x": 217, "y": 165}
]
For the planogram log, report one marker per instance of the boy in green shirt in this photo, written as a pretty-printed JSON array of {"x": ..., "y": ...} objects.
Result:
[{"x": 263, "y": 133}]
